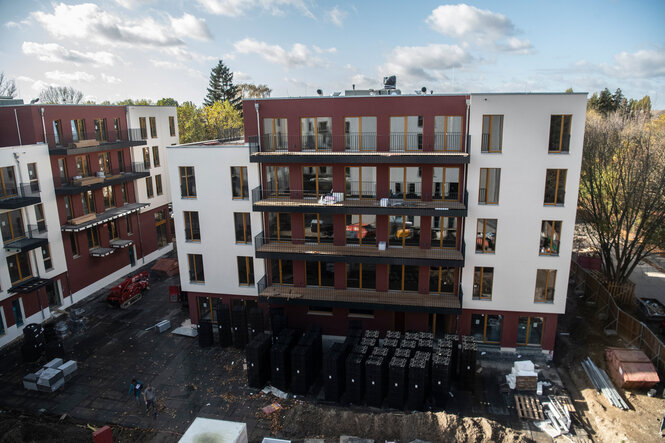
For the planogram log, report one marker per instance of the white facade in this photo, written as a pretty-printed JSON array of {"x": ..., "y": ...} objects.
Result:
[
  {"x": 19, "y": 157},
  {"x": 524, "y": 159},
  {"x": 162, "y": 139},
  {"x": 216, "y": 207}
]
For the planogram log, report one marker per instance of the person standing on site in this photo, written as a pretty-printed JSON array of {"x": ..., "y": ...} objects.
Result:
[
  {"x": 150, "y": 402},
  {"x": 135, "y": 388}
]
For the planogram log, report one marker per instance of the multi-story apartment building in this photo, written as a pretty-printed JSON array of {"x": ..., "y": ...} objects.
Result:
[
  {"x": 421, "y": 212},
  {"x": 80, "y": 162}
]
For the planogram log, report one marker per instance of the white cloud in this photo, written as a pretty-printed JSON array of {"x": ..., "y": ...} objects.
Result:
[
  {"x": 362, "y": 81},
  {"x": 644, "y": 63},
  {"x": 177, "y": 66},
  {"x": 336, "y": 16},
  {"x": 241, "y": 76},
  {"x": 516, "y": 46},
  {"x": 183, "y": 54},
  {"x": 35, "y": 85},
  {"x": 413, "y": 63},
  {"x": 235, "y": 8},
  {"x": 190, "y": 26},
  {"x": 110, "y": 79},
  {"x": 298, "y": 55},
  {"x": 53, "y": 52},
  {"x": 319, "y": 50},
  {"x": 69, "y": 77},
  {"x": 131, "y": 4}
]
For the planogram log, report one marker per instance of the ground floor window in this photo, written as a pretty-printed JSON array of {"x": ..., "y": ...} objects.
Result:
[
  {"x": 53, "y": 294},
  {"x": 18, "y": 312},
  {"x": 486, "y": 328},
  {"x": 530, "y": 330}
]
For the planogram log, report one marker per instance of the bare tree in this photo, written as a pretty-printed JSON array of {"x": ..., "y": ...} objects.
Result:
[
  {"x": 61, "y": 95},
  {"x": 7, "y": 87},
  {"x": 622, "y": 190},
  {"x": 249, "y": 90}
]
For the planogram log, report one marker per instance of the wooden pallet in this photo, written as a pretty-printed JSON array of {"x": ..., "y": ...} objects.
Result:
[
  {"x": 565, "y": 402},
  {"x": 528, "y": 406}
]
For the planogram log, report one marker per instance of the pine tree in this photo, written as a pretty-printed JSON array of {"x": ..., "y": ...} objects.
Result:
[{"x": 221, "y": 87}]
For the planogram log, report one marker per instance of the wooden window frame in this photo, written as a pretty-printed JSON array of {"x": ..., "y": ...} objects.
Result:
[
  {"x": 419, "y": 140},
  {"x": 560, "y": 149},
  {"x": 246, "y": 221},
  {"x": 191, "y": 260},
  {"x": 57, "y": 132},
  {"x": 277, "y": 221},
  {"x": 85, "y": 165},
  {"x": 371, "y": 241},
  {"x": 557, "y": 183},
  {"x": 34, "y": 181},
  {"x": 153, "y": 127},
  {"x": 404, "y": 182},
  {"x": 403, "y": 240},
  {"x": 6, "y": 187},
  {"x": 146, "y": 157},
  {"x": 108, "y": 196},
  {"x": 317, "y": 191},
  {"x": 74, "y": 244},
  {"x": 276, "y": 193},
  {"x": 144, "y": 128},
  {"x": 149, "y": 190},
  {"x": 489, "y": 149},
  {"x": 40, "y": 217},
  {"x": 443, "y": 184},
  {"x": 171, "y": 126},
  {"x": 69, "y": 211},
  {"x": 528, "y": 330},
  {"x": 485, "y": 317},
  {"x": 190, "y": 231},
  {"x": 13, "y": 228},
  {"x": 440, "y": 245},
  {"x": 361, "y": 134},
  {"x": 128, "y": 220},
  {"x": 93, "y": 237},
  {"x": 101, "y": 131},
  {"x": 548, "y": 230},
  {"x": 444, "y": 145},
  {"x": 114, "y": 232},
  {"x": 316, "y": 134},
  {"x": 15, "y": 258},
  {"x": 361, "y": 194},
  {"x": 480, "y": 295},
  {"x": 78, "y": 127},
  {"x": 440, "y": 274},
  {"x": 46, "y": 257},
  {"x": 550, "y": 276},
  {"x": 159, "y": 189},
  {"x": 155, "y": 157},
  {"x": 104, "y": 162},
  {"x": 88, "y": 202},
  {"x": 244, "y": 193},
  {"x": 281, "y": 277},
  {"x": 402, "y": 278},
  {"x": 276, "y": 141},
  {"x": 249, "y": 271},
  {"x": 486, "y": 172},
  {"x": 186, "y": 179},
  {"x": 483, "y": 249},
  {"x": 117, "y": 128},
  {"x": 62, "y": 171}
]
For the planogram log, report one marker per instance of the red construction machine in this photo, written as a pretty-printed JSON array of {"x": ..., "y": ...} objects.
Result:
[{"x": 129, "y": 291}]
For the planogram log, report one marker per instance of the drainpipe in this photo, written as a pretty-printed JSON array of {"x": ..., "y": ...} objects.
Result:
[
  {"x": 43, "y": 125},
  {"x": 258, "y": 124},
  {"x": 18, "y": 130},
  {"x": 18, "y": 168}
]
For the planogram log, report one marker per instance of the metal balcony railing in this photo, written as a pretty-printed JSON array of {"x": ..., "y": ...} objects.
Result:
[
  {"x": 57, "y": 140},
  {"x": 37, "y": 231},
  {"x": 103, "y": 176},
  {"x": 21, "y": 190}
]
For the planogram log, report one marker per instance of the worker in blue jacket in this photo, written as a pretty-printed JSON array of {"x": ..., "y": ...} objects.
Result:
[{"x": 136, "y": 389}]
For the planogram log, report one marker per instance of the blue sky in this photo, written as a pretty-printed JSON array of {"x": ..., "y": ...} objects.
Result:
[{"x": 116, "y": 49}]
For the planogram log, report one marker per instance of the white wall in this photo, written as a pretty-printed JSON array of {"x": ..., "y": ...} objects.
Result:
[
  {"x": 214, "y": 202},
  {"x": 523, "y": 161},
  {"x": 163, "y": 139}
]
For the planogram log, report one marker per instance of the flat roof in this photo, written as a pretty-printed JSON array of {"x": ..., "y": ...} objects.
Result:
[{"x": 415, "y": 95}]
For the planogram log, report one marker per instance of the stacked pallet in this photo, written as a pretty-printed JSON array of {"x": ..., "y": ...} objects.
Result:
[
  {"x": 257, "y": 354},
  {"x": 397, "y": 382},
  {"x": 376, "y": 378},
  {"x": 333, "y": 371},
  {"x": 355, "y": 377}
]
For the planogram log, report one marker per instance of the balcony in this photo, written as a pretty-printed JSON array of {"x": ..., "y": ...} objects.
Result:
[
  {"x": 94, "y": 141},
  {"x": 20, "y": 196},
  {"x": 297, "y": 249},
  {"x": 29, "y": 285},
  {"x": 90, "y": 183},
  {"x": 304, "y": 201},
  {"x": 98, "y": 219},
  {"x": 365, "y": 148},
  {"x": 34, "y": 237},
  {"x": 360, "y": 299}
]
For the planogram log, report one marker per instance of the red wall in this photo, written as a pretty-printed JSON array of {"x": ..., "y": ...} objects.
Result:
[{"x": 31, "y": 301}]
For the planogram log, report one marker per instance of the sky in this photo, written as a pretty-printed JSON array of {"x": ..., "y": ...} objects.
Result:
[{"x": 118, "y": 49}]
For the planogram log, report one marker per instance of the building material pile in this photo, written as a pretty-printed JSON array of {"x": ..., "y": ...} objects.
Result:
[
  {"x": 603, "y": 384},
  {"x": 523, "y": 376},
  {"x": 630, "y": 368},
  {"x": 51, "y": 377}
]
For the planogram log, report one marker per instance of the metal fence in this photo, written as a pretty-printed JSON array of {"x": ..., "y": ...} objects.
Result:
[{"x": 630, "y": 329}]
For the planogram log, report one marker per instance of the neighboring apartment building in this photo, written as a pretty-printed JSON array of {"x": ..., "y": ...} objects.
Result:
[{"x": 417, "y": 212}]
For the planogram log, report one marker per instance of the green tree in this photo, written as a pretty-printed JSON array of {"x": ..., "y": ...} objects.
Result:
[
  {"x": 622, "y": 189},
  {"x": 190, "y": 123},
  {"x": 221, "y": 120},
  {"x": 221, "y": 87},
  {"x": 167, "y": 102},
  {"x": 137, "y": 102},
  {"x": 60, "y": 95},
  {"x": 7, "y": 87},
  {"x": 249, "y": 90}
]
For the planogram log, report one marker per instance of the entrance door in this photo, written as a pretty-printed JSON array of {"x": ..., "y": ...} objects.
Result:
[
  {"x": 18, "y": 314},
  {"x": 132, "y": 255},
  {"x": 160, "y": 226},
  {"x": 53, "y": 294},
  {"x": 530, "y": 331},
  {"x": 486, "y": 328}
]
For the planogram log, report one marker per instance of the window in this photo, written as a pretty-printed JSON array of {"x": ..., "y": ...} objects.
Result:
[
  {"x": 88, "y": 202},
  {"x": 316, "y": 133},
  {"x": 446, "y": 184},
  {"x": 405, "y": 183},
  {"x": 196, "y": 268},
  {"x": 62, "y": 168},
  {"x": 34, "y": 178},
  {"x": 171, "y": 126},
  {"x": 121, "y": 162},
  {"x": 441, "y": 280},
  {"x": 545, "y": 281},
  {"x": 317, "y": 181},
  {"x": 146, "y": 158},
  {"x": 19, "y": 267},
  {"x": 319, "y": 310},
  {"x": 243, "y": 227},
  {"x": 404, "y": 231},
  {"x": 403, "y": 277},
  {"x": 361, "y": 275},
  {"x": 530, "y": 330},
  {"x": 318, "y": 228},
  {"x": 57, "y": 132},
  {"x": 128, "y": 219},
  {"x": 361, "y": 229},
  {"x": 277, "y": 181},
  {"x": 187, "y": 182},
  {"x": 555, "y": 186},
  {"x": 486, "y": 328},
  {"x": 93, "y": 237},
  {"x": 360, "y": 133},
  {"x": 239, "y": 182},
  {"x": 192, "y": 229},
  {"x": 158, "y": 184},
  {"x": 8, "y": 179},
  {"x": 281, "y": 272},
  {"x": 82, "y": 165},
  {"x": 78, "y": 130},
  {"x": 155, "y": 156},
  {"x": 116, "y": 127},
  {"x": 100, "y": 129},
  {"x": 18, "y": 312},
  {"x": 483, "y": 278},
  {"x": 275, "y": 134},
  {"x": 360, "y": 182},
  {"x": 444, "y": 232},
  {"x": 114, "y": 234},
  {"x": 144, "y": 128},
  {"x": 148, "y": 187},
  {"x": 68, "y": 207},
  {"x": 559, "y": 133},
  {"x": 2, "y": 324},
  {"x": 39, "y": 216},
  {"x": 11, "y": 225},
  {"x": 245, "y": 271},
  {"x": 104, "y": 160},
  {"x": 153, "y": 127},
  {"x": 109, "y": 197},
  {"x": 490, "y": 179},
  {"x": 447, "y": 133},
  {"x": 406, "y": 133},
  {"x": 74, "y": 243},
  {"x": 321, "y": 274},
  {"x": 550, "y": 236},
  {"x": 279, "y": 226},
  {"x": 125, "y": 193},
  {"x": 46, "y": 258},
  {"x": 492, "y": 133},
  {"x": 486, "y": 237},
  {"x": 160, "y": 228}
]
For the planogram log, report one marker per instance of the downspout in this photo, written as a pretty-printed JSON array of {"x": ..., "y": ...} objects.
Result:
[
  {"x": 43, "y": 124},
  {"x": 18, "y": 130},
  {"x": 258, "y": 125},
  {"x": 466, "y": 167}
]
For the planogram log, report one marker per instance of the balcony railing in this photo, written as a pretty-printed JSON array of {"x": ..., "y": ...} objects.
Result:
[
  {"x": 19, "y": 195},
  {"x": 100, "y": 179},
  {"x": 33, "y": 237},
  {"x": 56, "y": 140}
]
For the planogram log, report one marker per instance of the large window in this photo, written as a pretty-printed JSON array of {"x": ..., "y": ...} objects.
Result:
[
  {"x": 150, "y": 193},
  {"x": 46, "y": 257},
  {"x": 83, "y": 166},
  {"x": 33, "y": 177},
  {"x": 116, "y": 126},
  {"x": 114, "y": 233},
  {"x": 155, "y": 156},
  {"x": 486, "y": 328},
  {"x": 275, "y": 134},
  {"x": 239, "y": 184},
  {"x": 404, "y": 230},
  {"x": 39, "y": 216},
  {"x": 446, "y": 184},
  {"x": 158, "y": 184},
  {"x": 196, "y": 268},
  {"x": 281, "y": 272},
  {"x": 441, "y": 280},
  {"x": 550, "y": 236},
  {"x": 100, "y": 129},
  {"x": 125, "y": 193},
  {"x": 360, "y": 133},
  {"x": 279, "y": 226},
  {"x": 277, "y": 181},
  {"x": 11, "y": 225},
  {"x": 319, "y": 273},
  {"x": 555, "y": 186},
  {"x": 406, "y": 133},
  {"x": 68, "y": 207},
  {"x": 62, "y": 170},
  {"x": 490, "y": 179},
  {"x": 8, "y": 181},
  {"x": 187, "y": 182},
  {"x": 153, "y": 127},
  {"x": 486, "y": 235},
  {"x": 492, "y": 133},
  {"x": 78, "y": 130},
  {"x": 530, "y": 330},
  {"x": 192, "y": 229},
  {"x": 448, "y": 132},
  {"x": 545, "y": 282},
  {"x": 405, "y": 183},
  {"x": 121, "y": 162},
  {"x": 243, "y": 227},
  {"x": 317, "y": 180},
  {"x": 109, "y": 197},
  {"x": 316, "y": 133},
  {"x": 245, "y": 271},
  {"x": 57, "y": 132},
  {"x": 403, "y": 277},
  {"x": 74, "y": 244},
  {"x": 93, "y": 237},
  {"x": 361, "y": 275},
  {"x": 361, "y": 229},
  {"x": 144, "y": 128},
  {"x": 444, "y": 232},
  {"x": 104, "y": 162},
  {"x": 171, "y": 126},
  {"x": 483, "y": 279},
  {"x": 318, "y": 228},
  {"x": 88, "y": 202},
  {"x": 360, "y": 182},
  {"x": 146, "y": 157},
  {"x": 559, "y": 133}
]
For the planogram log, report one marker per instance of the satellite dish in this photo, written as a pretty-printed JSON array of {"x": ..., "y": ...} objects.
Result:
[
  {"x": 320, "y": 92},
  {"x": 423, "y": 89}
]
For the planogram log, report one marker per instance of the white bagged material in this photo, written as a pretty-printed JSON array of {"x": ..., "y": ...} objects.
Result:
[{"x": 54, "y": 363}]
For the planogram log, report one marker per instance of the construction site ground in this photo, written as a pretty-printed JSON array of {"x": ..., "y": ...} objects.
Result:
[{"x": 191, "y": 381}]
